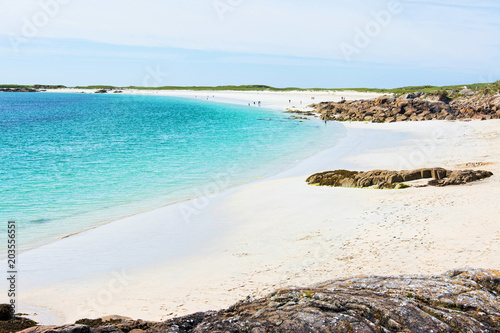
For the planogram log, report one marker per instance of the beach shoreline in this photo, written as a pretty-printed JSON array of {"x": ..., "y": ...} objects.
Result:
[
  {"x": 276, "y": 232},
  {"x": 279, "y": 101}
]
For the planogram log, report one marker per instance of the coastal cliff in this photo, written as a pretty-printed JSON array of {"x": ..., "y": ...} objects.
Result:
[{"x": 461, "y": 300}]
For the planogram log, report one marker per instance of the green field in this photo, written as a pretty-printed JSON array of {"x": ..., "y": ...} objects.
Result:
[{"x": 487, "y": 88}]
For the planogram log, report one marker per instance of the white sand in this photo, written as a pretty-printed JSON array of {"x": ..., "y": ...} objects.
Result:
[
  {"x": 296, "y": 100},
  {"x": 280, "y": 232}
]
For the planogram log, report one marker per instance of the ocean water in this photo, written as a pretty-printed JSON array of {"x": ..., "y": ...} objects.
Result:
[{"x": 73, "y": 161}]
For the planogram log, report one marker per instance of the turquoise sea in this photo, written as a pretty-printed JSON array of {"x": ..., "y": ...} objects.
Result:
[{"x": 73, "y": 161}]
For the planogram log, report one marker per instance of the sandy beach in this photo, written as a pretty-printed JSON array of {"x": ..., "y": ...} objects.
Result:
[
  {"x": 296, "y": 100},
  {"x": 211, "y": 251}
]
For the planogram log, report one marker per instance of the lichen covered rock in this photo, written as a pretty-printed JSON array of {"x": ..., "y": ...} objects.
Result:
[{"x": 461, "y": 300}]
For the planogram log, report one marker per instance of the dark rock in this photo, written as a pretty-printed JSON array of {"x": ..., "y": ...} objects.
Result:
[
  {"x": 107, "y": 329},
  {"x": 6, "y": 312},
  {"x": 10, "y": 323},
  {"x": 462, "y": 300},
  {"x": 409, "y": 96},
  {"x": 18, "y": 90},
  {"x": 385, "y": 179},
  {"x": 73, "y": 328},
  {"x": 184, "y": 324},
  {"x": 105, "y": 321},
  {"x": 16, "y": 324}
]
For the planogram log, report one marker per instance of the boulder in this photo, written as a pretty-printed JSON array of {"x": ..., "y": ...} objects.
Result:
[
  {"x": 410, "y": 106},
  {"x": 459, "y": 177},
  {"x": 73, "y": 328},
  {"x": 6, "y": 312},
  {"x": 384, "y": 179},
  {"x": 462, "y": 300},
  {"x": 409, "y": 96}
]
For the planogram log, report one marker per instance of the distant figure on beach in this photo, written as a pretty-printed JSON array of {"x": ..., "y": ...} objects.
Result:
[
  {"x": 325, "y": 121},
  {"x": 289, "y": 101},
  {"x": 253, "y": 103},
  {"x": 259, "y": 103}
]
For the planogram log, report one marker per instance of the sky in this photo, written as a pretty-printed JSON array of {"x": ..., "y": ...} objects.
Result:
[{"x": 282, "y": 43}]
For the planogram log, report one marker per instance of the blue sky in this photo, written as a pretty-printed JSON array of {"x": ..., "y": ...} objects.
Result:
[{"x": 316, "y": 43}]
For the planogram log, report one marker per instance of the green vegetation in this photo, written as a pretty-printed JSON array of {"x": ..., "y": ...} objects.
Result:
[
  {"x": 220, "y": 88},
  {"x": 444, "y": 91},
  {"x": 35, "y": 86},
  {"x": 45, "y": 86},
  {"x": 442, "y": 94},
  {"x": 96, "y": 87},
  {"x": 491, "y": 89},
  {"x": 433, "y": 90},
  {"x": 487, "y": 87}
]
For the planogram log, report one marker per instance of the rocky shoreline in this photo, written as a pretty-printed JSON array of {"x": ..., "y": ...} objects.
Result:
[
  {"x": 466, "y": 105},
  {"x": 384, "y": 179},
  {"x": 461, "y": 300},
  {"x": 19, "y": 90}
]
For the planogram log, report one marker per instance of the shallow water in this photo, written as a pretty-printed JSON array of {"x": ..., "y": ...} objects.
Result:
[{"x": 74, "y": 161}]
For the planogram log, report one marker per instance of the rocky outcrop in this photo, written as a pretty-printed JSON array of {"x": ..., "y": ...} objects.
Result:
[
  {"x": 6, "y": 312},
  {"x": 11, "y": 323},
  {"x": 385, "y": 179},
  {"x": 17, "y": 90},
  {"x": 412, "y": 107},
  {"x": 462, "y": 300},
  {"x": 73, "y": 328}
]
